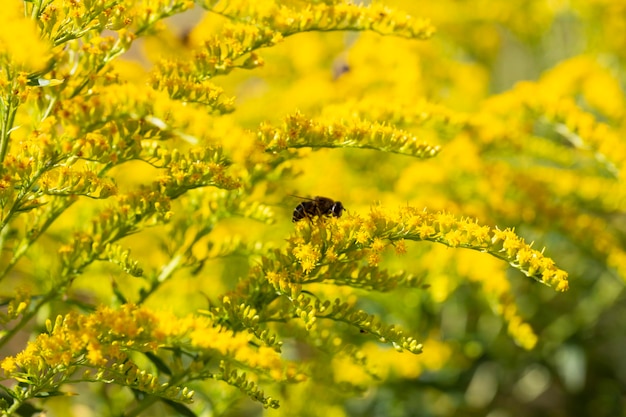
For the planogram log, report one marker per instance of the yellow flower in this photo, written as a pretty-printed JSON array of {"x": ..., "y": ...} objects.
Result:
[
  {"x": 454, "y": 238},
  {"x": 20, "y": 43},
  {"x": 331, "y": 255},
  {"x": 362, "y": 236},
  {"x": 373, "y": 258},
  {"x": 94, "y": 354},
  {"x": 400, "y": 247},
  {"x": 378, "y": 245},
  {"x": 307, "y": 255},
  {"x": 9, "y": 365},
  {"x": 426, "y": 231}
]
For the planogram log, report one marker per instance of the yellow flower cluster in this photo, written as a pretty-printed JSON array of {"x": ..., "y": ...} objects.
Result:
[
  {"x": 183, "y": 81},
  {"x": 382, "y": 227},
  {"x": 299, "y": 131},
  {"x": 590, "y": 78},
  {"x": 396, "y": 113},
  {"x": 65, "y": 20},
  {"x": 219, "y": 54},
  {"x": 27, "y": 52},
  {"x": 332, "y": 251},
  {"x": 17, "y": 305},
  {"x": 385, "y": 362},
  {"x": 543, "y": 122},
  {"x": 579, "y": 128},
  {"x": 496, "y": 288},
  {"x": 307, "y": 256},
  {"x": 106, "y": 337},
  {"x": 324, "y": 17}
]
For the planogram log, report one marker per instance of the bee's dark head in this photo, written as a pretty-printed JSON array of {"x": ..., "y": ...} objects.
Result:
[{"x": 337, "y": 209}]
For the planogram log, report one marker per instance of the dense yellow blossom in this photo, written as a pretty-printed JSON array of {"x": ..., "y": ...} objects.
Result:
[
  {"x": 27, "y": 52},
  {"x": 108, "y": 336},
  {"x": 413, "y": 224},
  {"x": 150, "y": 167}
]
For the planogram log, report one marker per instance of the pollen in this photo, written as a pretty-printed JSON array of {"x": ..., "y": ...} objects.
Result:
[
  {"x": 362, "y": 236},
  {"x": 307, "y": 255}
]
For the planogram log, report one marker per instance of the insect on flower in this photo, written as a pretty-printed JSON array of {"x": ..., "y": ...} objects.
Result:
[{"x": 318, "y": 206}]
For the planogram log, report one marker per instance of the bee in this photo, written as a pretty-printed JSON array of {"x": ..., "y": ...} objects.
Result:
[{"x": 318, "y": 206}]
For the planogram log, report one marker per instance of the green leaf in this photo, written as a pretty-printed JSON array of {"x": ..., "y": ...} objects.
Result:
[
  {"x": 48, "y": 394},
  {"x": 181, "y": 409},
  {"x": 158, "y": 362}
]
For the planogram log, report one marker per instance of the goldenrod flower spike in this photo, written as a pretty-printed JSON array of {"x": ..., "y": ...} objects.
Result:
[
  {"x": 580, "y": 129},
  {"x": 100, "y": 345},
  {"x": 332, "y": 251},
  {"x": 397, "y": 113},
  {"x": 382, "y": 228},
  {"x": 299, "y": 131},
  {"x": 265, "y": 23},
  {"x": 184, "y": 82},
  {"x": 324, "y": 17},
  {"x": 467, "y": 233}
]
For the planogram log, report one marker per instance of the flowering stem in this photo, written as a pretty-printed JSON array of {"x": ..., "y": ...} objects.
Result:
[
  {"x": 17, "y": 403},
  {"x": 5, "y": 129},
  {"x": 166, "y": 272},
  {"x": 30, "y": 314},
  {"x": 115, "y": 51},
  {"x": 53, "y": 215},
  {"x": 151, "y": 399},
  {"x": 23, "y": 248}
]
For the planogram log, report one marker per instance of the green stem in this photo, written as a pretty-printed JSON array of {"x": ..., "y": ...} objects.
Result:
[
  {"x": 151, "y": 399},
  {"x": 9, "y": 411},
  {"x": 53, "y": 215},
  {"x": 8, "y": 118},
  {"x": 173, "y": 265},
  {"x": 23, "y": 248}
]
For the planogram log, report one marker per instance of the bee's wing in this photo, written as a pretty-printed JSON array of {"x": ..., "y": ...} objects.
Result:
[{"x": 303, "y": 198}]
